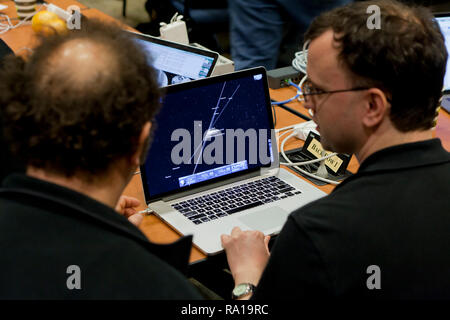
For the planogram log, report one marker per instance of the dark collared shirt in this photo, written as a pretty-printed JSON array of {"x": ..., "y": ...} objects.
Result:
[
  {"x": 383, "y": 233},
  {"x": 45, "y": 229}
]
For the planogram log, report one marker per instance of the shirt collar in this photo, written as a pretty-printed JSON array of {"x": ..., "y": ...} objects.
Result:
[
  {"x": 84, "y": 206},
  {"x": 408, "y": 155}
]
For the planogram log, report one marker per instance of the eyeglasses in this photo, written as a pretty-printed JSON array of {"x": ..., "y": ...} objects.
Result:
[{"x": 308, "y": 89}]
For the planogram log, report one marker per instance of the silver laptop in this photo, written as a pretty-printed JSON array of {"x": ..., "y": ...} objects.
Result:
[
  {"x": 443, "y": 20},
  {"x": 213, "y": 163},
  {"x": 175, "y": 62}
]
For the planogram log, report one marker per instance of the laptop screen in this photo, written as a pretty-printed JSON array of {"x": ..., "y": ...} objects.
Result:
[
  {"x": 208, "y": 130},
  {"x": 176, "y": 63},
  {"x": 444, "y": 23}
]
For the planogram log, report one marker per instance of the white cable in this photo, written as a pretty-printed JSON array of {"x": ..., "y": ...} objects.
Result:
[
  {"x": 299, "y": 62},
  {"x": 301, "y": 59},
  {"x": 301, "y": 98},
  {"x": 176, "y": 17},
  {"x": 302, "y": 129},
  {"x": 9, "y": 26},
  {"x": 300, "y": 169},
  {"x": 5, "y": 27},
  {"x": 293, "y": 164},
  {"x": 322, "y": 170},
  {"x": 146, "y": 212},
  {"x": 300, "y": 125},
  {"x": 286, "y": 128},
  {"x": 282, "y": 134}
]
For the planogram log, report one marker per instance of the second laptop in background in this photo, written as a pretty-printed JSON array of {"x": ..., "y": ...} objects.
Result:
[{"x": 174, "y": 62}]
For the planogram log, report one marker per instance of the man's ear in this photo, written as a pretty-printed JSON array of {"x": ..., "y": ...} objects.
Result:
[
  {"x": 377, "y": 108},
  {"x": 142, "y": 143}
]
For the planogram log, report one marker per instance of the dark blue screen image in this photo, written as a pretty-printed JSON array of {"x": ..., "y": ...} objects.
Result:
[{"x": 190, "y": 142}]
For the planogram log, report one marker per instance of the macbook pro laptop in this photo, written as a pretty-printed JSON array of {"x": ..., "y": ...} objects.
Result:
[
  {"x": 443, "y": 20},
  {"x": 174, "y": 62},
  {"x": 213, "y": 163}
]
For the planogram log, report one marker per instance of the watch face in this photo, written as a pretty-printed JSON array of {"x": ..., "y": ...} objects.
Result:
[{"x": 240, "y": 289}]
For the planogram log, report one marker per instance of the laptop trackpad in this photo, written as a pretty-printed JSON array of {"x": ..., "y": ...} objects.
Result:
[{"x": 265, "y": 219}]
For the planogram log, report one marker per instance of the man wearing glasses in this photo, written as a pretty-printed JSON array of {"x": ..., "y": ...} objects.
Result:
[{"x": 384, "y": 232}]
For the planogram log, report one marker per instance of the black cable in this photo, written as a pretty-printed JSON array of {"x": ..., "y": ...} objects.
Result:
[
  {"x": 274, "y": 116},
  {"x": 298, "y": 114}
]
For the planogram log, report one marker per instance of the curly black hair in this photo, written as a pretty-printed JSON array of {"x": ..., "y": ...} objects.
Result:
[
  {"x": 78, "y": 117},
  {"x": 406, "y": 57}
]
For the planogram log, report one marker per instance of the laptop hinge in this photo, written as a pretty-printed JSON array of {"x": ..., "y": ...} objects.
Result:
[{"x": 213, "y": 185}]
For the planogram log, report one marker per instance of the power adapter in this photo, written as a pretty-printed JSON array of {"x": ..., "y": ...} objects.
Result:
[
  {"x": 175, "y": 31},
  {"x": 279, "y": 78}
]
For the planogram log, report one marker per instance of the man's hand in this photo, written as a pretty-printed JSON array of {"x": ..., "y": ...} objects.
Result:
[
  {"x": 127, "y": 207},
  {"x": 247, "y": 254}
]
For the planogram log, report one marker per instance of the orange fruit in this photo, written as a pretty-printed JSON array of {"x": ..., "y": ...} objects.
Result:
[
  {"x": 58, "y": 25},
  {"x": 47, "y": 23}
]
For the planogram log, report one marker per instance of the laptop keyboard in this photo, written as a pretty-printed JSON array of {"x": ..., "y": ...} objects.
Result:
[{"x": 229, "y": 201}]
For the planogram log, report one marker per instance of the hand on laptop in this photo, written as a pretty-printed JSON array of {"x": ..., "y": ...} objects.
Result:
[
  {"x": 247, "y": 254},
  {"x": 127, "y": 206}
]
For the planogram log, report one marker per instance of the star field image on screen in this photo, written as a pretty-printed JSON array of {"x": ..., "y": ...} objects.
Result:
[{"x": 200, "y": 126}]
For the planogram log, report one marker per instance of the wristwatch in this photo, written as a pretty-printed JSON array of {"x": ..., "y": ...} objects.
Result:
[{"x": 242, "y": 289}]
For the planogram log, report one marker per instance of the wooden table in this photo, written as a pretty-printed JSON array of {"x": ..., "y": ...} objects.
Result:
[{"x": 156, "y": 230}]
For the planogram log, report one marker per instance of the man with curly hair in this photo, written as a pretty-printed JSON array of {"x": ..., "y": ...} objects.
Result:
[{"x": 79, "y": 113}]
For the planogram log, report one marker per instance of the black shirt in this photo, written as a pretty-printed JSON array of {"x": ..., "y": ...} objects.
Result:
[
  {"x": 46, "y": 228},
  {"x": 4, "y": 49},
  {"x": 8, "y": 163},
  {"x": 394, "y": 214}
]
